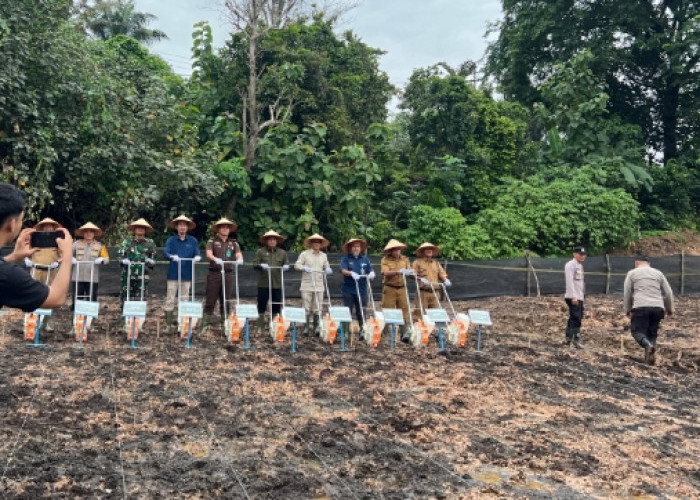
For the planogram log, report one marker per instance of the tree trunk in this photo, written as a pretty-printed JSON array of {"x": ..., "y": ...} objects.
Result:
[
  {"x": 669, "y": 121},
  {"x": 253, "y": 118}
]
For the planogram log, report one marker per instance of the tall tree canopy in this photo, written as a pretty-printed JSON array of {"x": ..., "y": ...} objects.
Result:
[
  {"x": 646, "y": 50},
  {"x": 105, "y": 19}
]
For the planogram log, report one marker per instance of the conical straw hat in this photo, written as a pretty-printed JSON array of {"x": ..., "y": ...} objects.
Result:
[
  {"x": 271, "y": 233},
  {"x": 224, "y": 222},
  {"x": 182, "y": 218},
  {"x": 89, "y": 225},
  {"x": 424, "y": 246},
  {"x": 348, "y": 244},
  {"x": 392, "y": 245},
  {"x": 316, "y": 237},
  {"x": 140, "y": 223},
  {"x": 45, "y": 222}
]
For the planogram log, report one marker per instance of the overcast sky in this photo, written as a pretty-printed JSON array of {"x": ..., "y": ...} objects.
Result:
[{"x": 413, "y": 33}]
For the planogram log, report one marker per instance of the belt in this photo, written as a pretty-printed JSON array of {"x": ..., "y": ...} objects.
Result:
[{"x": 393, "y": 286}]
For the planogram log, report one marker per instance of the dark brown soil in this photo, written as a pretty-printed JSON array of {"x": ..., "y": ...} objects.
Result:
[
  {"x": 687, "y": 242},
  {"x": 523, "y": 418}
]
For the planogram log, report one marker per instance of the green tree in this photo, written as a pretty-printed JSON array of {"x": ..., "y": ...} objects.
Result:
[
  {"x": 646, "y": 52},
  {"x": 108, "y": 18},
  {"x": 43, "y": 76},
  {"x": 139, "y": 136},
  {"x": 459, "y": 135},
  {"x": 549, "y": 217},
  {"x": 580, "y": 132},
  {"x": 95, "y": 130}
]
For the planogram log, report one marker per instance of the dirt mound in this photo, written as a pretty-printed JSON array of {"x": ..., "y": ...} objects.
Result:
[{"x": 687, "y": 242}]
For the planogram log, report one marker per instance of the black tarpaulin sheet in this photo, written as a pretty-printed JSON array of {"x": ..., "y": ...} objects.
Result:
[{"x": 470, "y": 279}]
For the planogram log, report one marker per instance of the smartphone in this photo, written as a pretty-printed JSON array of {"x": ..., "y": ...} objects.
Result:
[{"x": 45, "y": 239}]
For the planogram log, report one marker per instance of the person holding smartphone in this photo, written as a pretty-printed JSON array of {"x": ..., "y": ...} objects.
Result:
[
  {"x": 17, "y": 288},
  {"x": 45, "y": 259}
]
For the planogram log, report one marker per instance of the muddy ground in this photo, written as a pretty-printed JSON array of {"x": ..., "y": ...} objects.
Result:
[{"x": 523, "y": 418}]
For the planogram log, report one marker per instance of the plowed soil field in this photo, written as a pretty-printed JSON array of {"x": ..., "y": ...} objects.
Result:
[{"x": 525, "y": 417}]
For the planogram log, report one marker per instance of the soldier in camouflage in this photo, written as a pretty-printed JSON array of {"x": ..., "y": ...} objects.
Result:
[{"x": 138, "y": 255}]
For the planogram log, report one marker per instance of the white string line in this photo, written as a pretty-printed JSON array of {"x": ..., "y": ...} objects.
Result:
[
  {"x": 420, "y": 452},
  {"x": 116, "y": 412},
  {"x": 210, "y": 430},
  {"x": 24, "y": 420}
]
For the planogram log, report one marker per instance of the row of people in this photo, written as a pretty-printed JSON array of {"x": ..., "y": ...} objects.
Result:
[
  {"x": 647, "y": 295},
  {"x": 137, "y": 256}
]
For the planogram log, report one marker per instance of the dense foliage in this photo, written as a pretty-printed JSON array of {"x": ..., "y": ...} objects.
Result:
[{"x": 594, "y": 138}]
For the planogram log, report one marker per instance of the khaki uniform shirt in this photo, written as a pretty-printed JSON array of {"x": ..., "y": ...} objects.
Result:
[
  {"x": 225, "y": 250},
  {"x": 88, "y": 252},
  {"x": 430, "y": 270},
  {"x": 45, "y": 256},
  {"x": 391, "y": 264},
  {"x": 317, "y": 262},
  {"x": 274, "y": 258}
]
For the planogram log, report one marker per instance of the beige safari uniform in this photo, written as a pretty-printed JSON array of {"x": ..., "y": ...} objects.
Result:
[
  {"x": 433, "y": 272},
  {"x": 318, "y": 262},
  {"x": 394, "y": 291},
  {"x": 45, "y": 257}
]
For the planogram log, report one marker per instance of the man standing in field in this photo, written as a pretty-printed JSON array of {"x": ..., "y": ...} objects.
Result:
[
  {"x": 575, "y": 292},
  {"x": 17, "y": 288},
  {"x": 179, "y": 246},
  {"x": 313, "y": 261},
  {"x": 271, "y": 260},
  {"x": 394, "y": 267},
  {"x": 648, "y": 299}
]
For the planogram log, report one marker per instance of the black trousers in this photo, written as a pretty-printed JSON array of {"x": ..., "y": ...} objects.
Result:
[
  {"x": 573, "y": 325},
  {"x": 264, "y": 297},
  {"x": 645, "y": 323},
  {"x": 84, "y": 292},
  {"x": 214, "y": 292},
  {"x": 358, "y": 303}
]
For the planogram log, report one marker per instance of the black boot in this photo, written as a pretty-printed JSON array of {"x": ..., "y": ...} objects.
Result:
[
  {"x": 317, "y": 325},
  {"x": 577, "y": 338},
  {"x": 649, "y": 352},
  {"x": 405, "y": 334},
  {"x": 569, "y": 336}
]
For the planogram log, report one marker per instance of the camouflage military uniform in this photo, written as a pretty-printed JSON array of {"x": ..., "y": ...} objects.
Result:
[{"x": 137, "y": 251}]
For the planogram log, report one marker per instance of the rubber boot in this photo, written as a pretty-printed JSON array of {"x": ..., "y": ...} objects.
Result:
[
  {"x": 46, "y": 325},
  {"x": 308, "y": 325},
  {"x": 569, "y": 336},
  {"x": 405, "y": 335},
  {"x": 317, "y": 325},
  {"x": 168, "y": 322},
  {"x": 205, "y": 323},
  {"x": 577, "y": 338},
  {"x": 649, "y": 352}
]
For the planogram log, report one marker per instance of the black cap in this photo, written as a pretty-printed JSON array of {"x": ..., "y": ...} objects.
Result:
[
  {"x": 581, "y": 250},
  {"x": 642, "y": 258}
]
